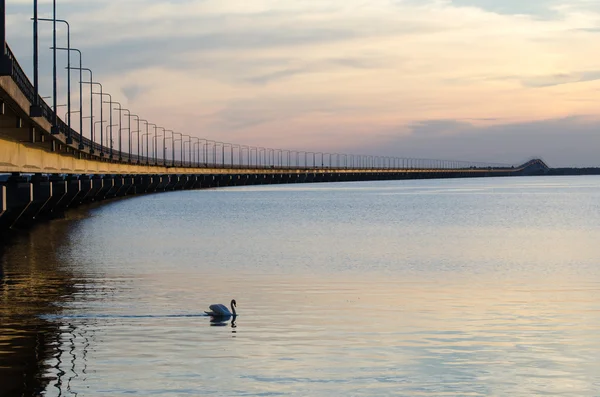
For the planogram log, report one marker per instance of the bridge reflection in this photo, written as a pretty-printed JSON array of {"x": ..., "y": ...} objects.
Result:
[{"x": 35, "y": 353}]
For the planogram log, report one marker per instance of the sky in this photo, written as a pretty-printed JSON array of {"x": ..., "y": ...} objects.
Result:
[{"x": 479, "y": 80}]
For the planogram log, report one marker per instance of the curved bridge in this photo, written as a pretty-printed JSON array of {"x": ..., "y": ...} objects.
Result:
[{"x": 52, "y": 167}]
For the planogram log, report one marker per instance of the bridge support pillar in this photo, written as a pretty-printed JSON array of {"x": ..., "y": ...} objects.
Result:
[
  {"x": 164, "y": 182},
  {"x": 73, "y": 192},
  {"x": 59, "y": 191},
  {"x": 107, "y": 185},
  {"x": 181, "y": 182},
  {"x": 154, "y": 182},
  {"x": 127, "y": 186},
  {"x": 190, "y": 182},
  {"x": 117, "y": 184},
  {"x": 97, "y": 183},
  {"x": 19, "y": 196},
  {"x": 42, "y": 194},
  {"x": 87, "y": 189},
  {"x": 2, "y": 200}
]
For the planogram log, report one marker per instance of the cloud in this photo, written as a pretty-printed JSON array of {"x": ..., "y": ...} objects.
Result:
[
  {"x": 563, "y": 78},
  {"x": 553, "y": 140},
  {"x": 133, "y": 91},
  {"x": 336, "y": 74}
]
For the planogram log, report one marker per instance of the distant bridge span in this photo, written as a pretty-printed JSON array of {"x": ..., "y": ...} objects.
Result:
[{"x": 53, "y": 167}]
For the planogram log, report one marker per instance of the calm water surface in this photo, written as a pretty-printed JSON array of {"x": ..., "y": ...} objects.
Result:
[{"x": 411, "y": 288}]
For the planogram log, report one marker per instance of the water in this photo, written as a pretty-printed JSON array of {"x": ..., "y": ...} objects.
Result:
[{"x": 449, "y": 287}]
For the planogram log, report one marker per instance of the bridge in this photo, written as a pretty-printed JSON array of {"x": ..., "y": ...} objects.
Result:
[{"x": 50, "y": 167}]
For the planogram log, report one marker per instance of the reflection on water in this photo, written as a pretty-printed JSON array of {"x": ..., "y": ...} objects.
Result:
[
  {"x": 474, "y": 287},
  {"x": 33, "y": 283}
]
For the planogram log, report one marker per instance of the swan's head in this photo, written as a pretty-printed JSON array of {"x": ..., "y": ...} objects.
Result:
[{"x": 233, "y": 303}]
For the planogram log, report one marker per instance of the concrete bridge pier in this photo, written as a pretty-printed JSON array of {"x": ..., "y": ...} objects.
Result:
[
  {"x": 226, "y": 180},
  {"x": 117, "y": 184},
  {"x": 168, "y": 183},
  {"x": 181, "y": 181},
  {"x": 154, "y": 182},
  {"x": 73, "y": 192},
  {"x": 206, "y": 181},
  {"x": 87, "y": 187},
  {"x": 2, "y": 200},
  {"x": 139, "y": 186},
  {"x": 107, "y": 185},
  {"x": 59, "y": 192},
  {"x": 127, "y": 187},
  {"x": 217, "y": 181},
  {"x": 191, "y": 182},
  {"x": 96, "y": 184},
  {"x": 42, "y": 194},
  {"x": 19, "y": 196}
]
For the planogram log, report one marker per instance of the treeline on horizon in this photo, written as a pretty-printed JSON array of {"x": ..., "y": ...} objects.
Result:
[{"x": 574, "y": 171}]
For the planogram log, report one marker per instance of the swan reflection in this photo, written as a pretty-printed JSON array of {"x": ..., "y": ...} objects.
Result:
[{"x": 222, "y": 321}]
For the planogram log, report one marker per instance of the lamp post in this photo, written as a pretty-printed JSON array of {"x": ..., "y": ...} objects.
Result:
[
  {"x": 35, "y": 110},
  {"x": 69, "y": 67},
  {"x": 197, "y": 152},
  {"x": 165, "y": 148},
  {"x": 129, "y": 131},
  {"x": 138, "y": 137},
  {"x": 111, "y": 142},
  {"x": 156, "y": 147},
  {"x": 142, "y": 138},
  {"x": 110, "y": 102},
  {"x": 181, "y": 139},
  {"x": 189, "y": 146},
  {"x": 147, "y": 135},
  {"x": 91, "y": 101},
  {"x": 120, "y": 109},
  {"x": 183, "y": 143},
  {"x": 164, "y": 137},
  {"x": 172, "y": 148},
  {"x": 148, "y": 142},
  {"x": 101, "y": 93},
  {"x": 54, "y": 129},
  {"x": 69, "y": 138}
]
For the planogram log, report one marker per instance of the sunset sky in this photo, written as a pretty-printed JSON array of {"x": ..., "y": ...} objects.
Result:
[{"x": 490, "y": 80}]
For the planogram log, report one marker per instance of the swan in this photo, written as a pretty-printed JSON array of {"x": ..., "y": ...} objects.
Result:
[{"x": 219, "y": 310}]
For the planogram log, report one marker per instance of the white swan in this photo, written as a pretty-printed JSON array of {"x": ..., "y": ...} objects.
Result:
[{"x": 219, "y": 310}]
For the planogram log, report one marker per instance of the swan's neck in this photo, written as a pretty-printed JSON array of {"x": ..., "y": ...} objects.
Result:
[{"x": 233, "y": 309}]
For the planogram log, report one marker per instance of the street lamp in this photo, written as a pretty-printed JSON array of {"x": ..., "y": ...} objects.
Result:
[
  {"x": 111, "y": 140},
  {"x": 147, "y": 135},
  {"x": 69, "y": 49},
  {"x": 156, "y": 147},
  {"x": 142, "y": 137},
  {"x": 138, "y": 137},
  {"x": 173, "y": 147},
  {"x": 129, "y": 130},
  {"x": 120, "y": 109},
  {"x": 101, "y": 93},
  {"x": 110, "y": 102},
  {"x": 35, "y": 110},
  {"x": 197, "y": 152},
  {"x": 91, "y": 101},
  {"x": 148, "y": 142},
  {"x": 69, "y": 138},
  {"x": 164, "y": 136}
]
